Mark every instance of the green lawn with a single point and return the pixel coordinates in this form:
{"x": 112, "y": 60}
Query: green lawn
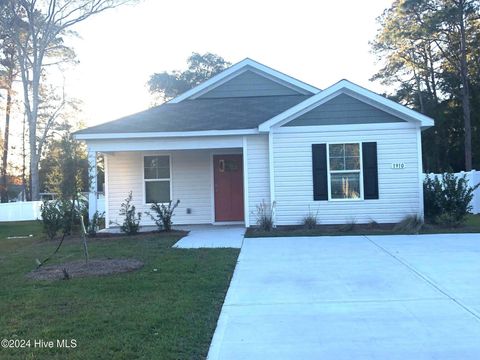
{"x": 170, "y": 313}
{"x": 20, "y": 228}
{"x": 474, "y": 221}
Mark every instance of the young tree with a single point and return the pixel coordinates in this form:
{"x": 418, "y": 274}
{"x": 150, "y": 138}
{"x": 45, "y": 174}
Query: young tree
{"x": 68, "y": 184}
{"x": 38, "y": 28}
{"x": 167, "y": 85}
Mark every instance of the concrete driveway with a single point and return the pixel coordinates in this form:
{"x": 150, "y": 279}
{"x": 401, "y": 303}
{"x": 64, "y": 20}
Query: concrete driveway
{"x": 353, "y": 297}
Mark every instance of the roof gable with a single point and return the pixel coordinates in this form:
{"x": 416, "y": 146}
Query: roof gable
{"x": 358, "y": 92}
{"x": 299, "y": 87}
{"x": 249, "y": 83}
{"x": 343, "y": 109}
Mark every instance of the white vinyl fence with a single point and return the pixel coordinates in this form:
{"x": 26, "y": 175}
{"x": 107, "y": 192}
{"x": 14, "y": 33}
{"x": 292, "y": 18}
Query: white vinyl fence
{"x": 473, "y": 178}
{"x": 20, "y": 211}
{"x": 30, "y": 210}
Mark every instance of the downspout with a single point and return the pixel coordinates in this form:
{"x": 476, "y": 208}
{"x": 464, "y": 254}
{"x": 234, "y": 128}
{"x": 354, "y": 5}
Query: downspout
{"x": 271, "y": 175}
{"x": 420, "y": 172}
{"x": 246, "y": 202}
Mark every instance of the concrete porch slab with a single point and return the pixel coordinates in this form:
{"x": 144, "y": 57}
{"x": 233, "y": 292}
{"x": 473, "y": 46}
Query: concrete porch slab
{"x": 211, "y": 236}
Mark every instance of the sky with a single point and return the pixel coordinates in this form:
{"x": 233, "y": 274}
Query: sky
{"x": 319, "y": 42}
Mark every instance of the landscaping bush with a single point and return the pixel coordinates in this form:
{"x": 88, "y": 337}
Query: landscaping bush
{"x": 349, "y": 226}
{"x": 310, "y": 221}
{"x": 52, "y": 218}
{"x": 447, "y": 200}
{"x": 163, "y": 214}
{"x": 372, "y": 224}
{"x": 264, "y": 214}
{"x": 94, "y": 224}
{"x": 72, "y": 214}
{"x": 410, "y": 224}
{"x": 131, "y": 222}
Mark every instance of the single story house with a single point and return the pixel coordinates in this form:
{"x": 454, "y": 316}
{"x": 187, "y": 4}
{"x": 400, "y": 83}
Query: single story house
{"x": 253, "y": 135}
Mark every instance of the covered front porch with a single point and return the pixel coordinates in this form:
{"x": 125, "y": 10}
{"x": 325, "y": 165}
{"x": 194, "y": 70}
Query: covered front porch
{"x": 208, "y": 175}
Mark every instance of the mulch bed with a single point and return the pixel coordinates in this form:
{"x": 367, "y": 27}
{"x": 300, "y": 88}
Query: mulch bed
{"x": 103, "y": 235}
{"x": 76, "y": 269}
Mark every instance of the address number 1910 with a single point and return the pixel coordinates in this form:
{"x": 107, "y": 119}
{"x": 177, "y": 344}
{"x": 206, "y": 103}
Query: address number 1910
{"x": 398, "y": 165}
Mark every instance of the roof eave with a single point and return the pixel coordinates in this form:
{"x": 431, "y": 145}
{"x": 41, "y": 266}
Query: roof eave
{"x": 169, "y": 134}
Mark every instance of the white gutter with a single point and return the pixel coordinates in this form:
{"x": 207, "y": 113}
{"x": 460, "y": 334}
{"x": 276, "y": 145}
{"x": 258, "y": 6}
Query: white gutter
{"x": 142, "y": 135}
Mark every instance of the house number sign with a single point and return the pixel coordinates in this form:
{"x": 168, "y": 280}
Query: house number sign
{"x": 398, "y": 165}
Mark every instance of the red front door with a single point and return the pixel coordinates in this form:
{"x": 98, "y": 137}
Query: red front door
{"x": 228, "y": 184}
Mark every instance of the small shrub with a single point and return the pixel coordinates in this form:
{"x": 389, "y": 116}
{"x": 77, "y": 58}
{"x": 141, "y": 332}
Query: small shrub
{"x": 310, "y": 221}
{"x": 52, "y": 218}
{"x": 264, "y": 214}
{"x": 447, "y": 201}
{"x": 372, "y": 224}
{"x": 349, "y": 226}
{"x": 131, "y": 222}
{"x": 163, "y": 214}
{"x": 69, "y": 218}
{"x": 432, "y": 198}
{"x": 410, "y": 224}
{"x": 94, "y": 224}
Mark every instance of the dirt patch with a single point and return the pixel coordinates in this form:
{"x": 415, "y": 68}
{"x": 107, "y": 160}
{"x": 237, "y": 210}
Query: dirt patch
{"x": 76, "y": 269}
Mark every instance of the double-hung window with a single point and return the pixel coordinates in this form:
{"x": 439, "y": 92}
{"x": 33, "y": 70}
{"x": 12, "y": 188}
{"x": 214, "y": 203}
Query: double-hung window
{"x": 344, "y": 164}
{"x": 157, "y": 179}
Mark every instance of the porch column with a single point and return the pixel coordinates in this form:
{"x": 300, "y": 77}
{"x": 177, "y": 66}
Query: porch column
{"x": 246, "y": 204}
{"x": 92, "y": 189}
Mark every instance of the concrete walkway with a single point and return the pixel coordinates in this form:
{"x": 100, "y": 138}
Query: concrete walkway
{"x": 211, "y": 236}
{"x": 376, "y": 297}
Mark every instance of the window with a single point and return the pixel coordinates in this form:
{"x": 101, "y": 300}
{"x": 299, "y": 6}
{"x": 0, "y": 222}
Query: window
{"x": 156, "y": 175}
{"x": 344, "y": 164}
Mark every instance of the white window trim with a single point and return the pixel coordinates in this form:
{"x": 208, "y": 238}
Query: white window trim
{"x": 144, "y": 181}
{"x": 361, "y": 198}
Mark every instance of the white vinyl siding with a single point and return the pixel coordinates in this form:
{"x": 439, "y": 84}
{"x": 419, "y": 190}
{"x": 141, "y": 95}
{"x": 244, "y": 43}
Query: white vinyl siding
{"x": 191, "y": 179}
{"x": 399, "y": 193}
{"x": 191, "y": 184}
{"x": 258, "y": 173}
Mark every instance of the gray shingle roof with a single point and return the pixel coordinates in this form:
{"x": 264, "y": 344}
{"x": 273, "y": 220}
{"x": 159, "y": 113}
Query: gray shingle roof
{"x": 201, "y": 114}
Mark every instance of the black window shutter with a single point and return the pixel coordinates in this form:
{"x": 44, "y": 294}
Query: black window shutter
{"x": 319, "y": 163}
{"x": 370, "y": 170}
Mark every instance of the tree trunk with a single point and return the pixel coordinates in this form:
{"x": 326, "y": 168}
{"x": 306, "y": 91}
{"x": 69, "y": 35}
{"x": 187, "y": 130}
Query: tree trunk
{"x": 465, "y": 89}
{"x": 419, "y": 92}
{"x": 25, "y": 196}
{"x": 34, "y": 178}
{"x": 32, "y": 135}
{"x": 4, "y": 177}
{"x": 432, "y": 74}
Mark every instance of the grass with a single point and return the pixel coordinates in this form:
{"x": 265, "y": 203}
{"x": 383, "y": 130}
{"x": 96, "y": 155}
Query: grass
{"x": 170, "y": 313}
{"x": 473, "y": 221}
{"x": 20, "y": 228}
{"x": 471, "y": 226}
